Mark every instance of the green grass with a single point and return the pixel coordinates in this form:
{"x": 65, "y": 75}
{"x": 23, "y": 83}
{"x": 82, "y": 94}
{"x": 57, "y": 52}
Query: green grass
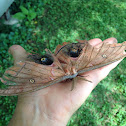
{"x": 66, "y": 20}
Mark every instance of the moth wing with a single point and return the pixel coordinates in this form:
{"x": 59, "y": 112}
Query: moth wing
{"x": 81, "y": 41}
{"x": 29, "y": 76}
{"x": 62, "y": 52}
{"x": 60, "y": 46}
{"x": 93, "y": 58}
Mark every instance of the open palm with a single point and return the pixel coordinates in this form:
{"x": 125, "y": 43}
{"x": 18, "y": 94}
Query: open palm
{"x": 55, "y": 104}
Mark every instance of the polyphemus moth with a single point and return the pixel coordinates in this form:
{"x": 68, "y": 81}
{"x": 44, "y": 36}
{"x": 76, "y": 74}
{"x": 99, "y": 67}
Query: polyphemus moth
{"x": 69, "y": 61}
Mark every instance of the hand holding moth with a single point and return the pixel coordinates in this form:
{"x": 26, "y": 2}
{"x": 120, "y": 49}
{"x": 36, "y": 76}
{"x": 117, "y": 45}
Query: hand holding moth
{"x": 55, "y": 104}
{"x": 33, "y": 72}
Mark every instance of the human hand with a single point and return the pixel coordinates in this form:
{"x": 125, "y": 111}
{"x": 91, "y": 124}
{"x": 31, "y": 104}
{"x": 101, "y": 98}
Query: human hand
{"x": 55, "y": 104}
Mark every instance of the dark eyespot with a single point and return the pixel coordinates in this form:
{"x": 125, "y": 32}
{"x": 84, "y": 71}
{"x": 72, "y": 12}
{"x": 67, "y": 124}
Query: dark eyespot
{"x": 45, "y": 60}
{"x": 72, "y": 49}
{"x": 74, "y": 52}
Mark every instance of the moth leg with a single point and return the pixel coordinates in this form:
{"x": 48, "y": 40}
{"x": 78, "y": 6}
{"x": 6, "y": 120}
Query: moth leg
{"x": 73, "y": 83}
{"x": 82, "y": 77}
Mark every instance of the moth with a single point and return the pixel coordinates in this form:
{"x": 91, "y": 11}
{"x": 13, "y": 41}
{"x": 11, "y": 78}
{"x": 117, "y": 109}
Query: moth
{"x": 69, "y": 61}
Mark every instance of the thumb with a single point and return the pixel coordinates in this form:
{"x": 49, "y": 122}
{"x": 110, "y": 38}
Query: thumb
{"x": 18, "y": 53}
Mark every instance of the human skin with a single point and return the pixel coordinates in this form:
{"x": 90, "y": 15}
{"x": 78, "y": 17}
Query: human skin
{"x": 54, "y": 105}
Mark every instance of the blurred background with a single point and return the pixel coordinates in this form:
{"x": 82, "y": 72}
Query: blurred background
{"x": 45, "y": 24}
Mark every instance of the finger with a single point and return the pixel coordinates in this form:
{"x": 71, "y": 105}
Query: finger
{"x": 104, "y": 71}
{"x": 108, "y": 41}
{"x": 99, "y": 74}
{"x": 18, "y": 53}
{"x": 111, "y": 40}
{"x": 95, "y": 41}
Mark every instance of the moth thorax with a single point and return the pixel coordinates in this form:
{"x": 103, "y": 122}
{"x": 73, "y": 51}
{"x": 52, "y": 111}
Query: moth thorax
{"x": 73, "y": 70}
{"x": 104, "y": 56}
{"x": 32, "y": 81}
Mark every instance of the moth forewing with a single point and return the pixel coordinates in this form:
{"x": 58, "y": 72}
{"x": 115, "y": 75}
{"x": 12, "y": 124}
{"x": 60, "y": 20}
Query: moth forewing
{"x": 28, "y": 76}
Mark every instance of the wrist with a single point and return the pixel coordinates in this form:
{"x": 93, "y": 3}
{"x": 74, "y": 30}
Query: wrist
{"x": 32, "y": 114}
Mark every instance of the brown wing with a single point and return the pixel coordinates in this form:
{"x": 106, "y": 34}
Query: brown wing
{"x": 60, "y": 46}
{"x": 69, "y": 54}
{"x": 63, "y": 53}
{"x": 61, "y": 56}
{"x": 91, "y": 57}
{"x": 30, "y": 76}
